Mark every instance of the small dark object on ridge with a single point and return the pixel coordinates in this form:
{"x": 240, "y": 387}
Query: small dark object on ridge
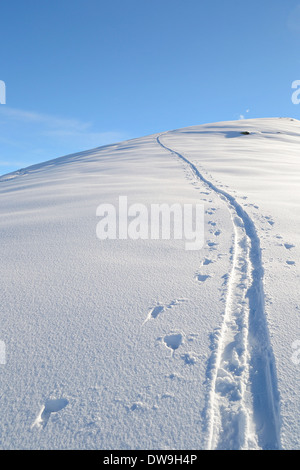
{"x": 245, "y": 133}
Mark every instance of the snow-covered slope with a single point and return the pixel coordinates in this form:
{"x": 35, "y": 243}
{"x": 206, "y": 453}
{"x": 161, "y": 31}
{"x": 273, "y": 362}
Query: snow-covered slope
{"x": 140, "y": 344}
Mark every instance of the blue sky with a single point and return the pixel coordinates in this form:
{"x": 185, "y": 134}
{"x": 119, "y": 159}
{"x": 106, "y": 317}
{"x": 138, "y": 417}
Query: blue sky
{"x": 84, "y": 73}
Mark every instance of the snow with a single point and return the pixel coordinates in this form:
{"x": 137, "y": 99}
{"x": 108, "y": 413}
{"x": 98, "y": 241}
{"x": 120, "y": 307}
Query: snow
{"x": 141, "y": 344}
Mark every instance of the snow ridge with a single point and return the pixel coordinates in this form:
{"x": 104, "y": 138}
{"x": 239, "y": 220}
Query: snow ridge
{"x": 243, "y": 409}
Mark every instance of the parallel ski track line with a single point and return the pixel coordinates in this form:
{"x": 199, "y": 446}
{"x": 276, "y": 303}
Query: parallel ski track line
{"x": 243, "y": 406}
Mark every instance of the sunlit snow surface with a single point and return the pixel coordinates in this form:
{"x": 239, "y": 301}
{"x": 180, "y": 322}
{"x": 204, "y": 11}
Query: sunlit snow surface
{"x": 140, "y": 344}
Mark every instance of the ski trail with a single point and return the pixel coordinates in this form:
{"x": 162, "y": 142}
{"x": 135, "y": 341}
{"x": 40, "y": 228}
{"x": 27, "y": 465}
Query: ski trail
{"x": 243, "y": 405}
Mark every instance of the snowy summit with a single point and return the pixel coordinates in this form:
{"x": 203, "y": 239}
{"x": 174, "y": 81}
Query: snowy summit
{"x": 124, "y": 343}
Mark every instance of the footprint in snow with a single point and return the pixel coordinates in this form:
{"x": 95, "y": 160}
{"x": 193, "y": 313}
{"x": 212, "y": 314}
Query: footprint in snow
{"x": 210, "y": 211}
{"x": 269, "y": 220}
{"x": 173, "y": 341}
{"x": 212, "y": 245}
{"x": 207, "y": 261}
{"x": 154, "y": 312}
{"x": 290, "y": 263}
{"x": 202, "y": 277}
{"x": 288, "y": 246}
{"x": 51, "y": 406}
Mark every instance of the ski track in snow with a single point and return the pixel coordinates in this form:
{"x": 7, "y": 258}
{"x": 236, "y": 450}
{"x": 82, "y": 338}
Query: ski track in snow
{"x": 243, "y": 409}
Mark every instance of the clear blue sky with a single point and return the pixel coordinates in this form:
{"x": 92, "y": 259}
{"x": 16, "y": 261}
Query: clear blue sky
{"x": 83, "y": 73}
